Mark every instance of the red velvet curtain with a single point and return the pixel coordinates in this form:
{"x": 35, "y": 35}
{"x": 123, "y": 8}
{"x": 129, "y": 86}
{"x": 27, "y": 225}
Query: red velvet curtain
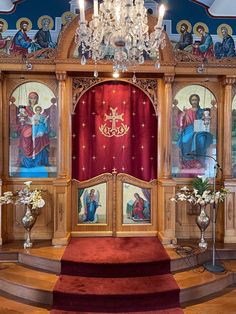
{"x": 114, "y": 126}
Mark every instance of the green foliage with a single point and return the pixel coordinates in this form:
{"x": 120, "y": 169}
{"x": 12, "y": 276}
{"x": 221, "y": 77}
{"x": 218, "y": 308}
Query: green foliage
{"x": 201, "y": 185}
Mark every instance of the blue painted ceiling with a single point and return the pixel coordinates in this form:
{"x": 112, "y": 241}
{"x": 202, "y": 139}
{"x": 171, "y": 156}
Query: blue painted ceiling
{"x": 176, "y": 10}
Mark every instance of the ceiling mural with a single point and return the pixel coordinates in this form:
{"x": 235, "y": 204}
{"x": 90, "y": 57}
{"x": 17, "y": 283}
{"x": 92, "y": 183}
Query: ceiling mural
{"x": 8, "y": 5}
{"x": 219, "y": 8}
{"x": 30, "y": 27}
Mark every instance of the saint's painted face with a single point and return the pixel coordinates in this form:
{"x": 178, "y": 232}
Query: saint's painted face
{"x": 45, "y": 24}
{"x": 194, "y": 101}
{"x": 183, "y": 29}
{"x": 68, "y": 19}
{"x": 224, "y": 31}
{"x": 136, "y": 195}
{"x": 25, "y": 26}
{"x": 33, "y": 99}
{"x": 201, "y": 30}
{"x": 92, "y": 191}
{"x": 1, "y": 27}
{"x": 38, "y": 110}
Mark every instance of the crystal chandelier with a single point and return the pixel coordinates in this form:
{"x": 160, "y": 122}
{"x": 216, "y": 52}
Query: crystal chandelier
{"x": 119, "y": 32}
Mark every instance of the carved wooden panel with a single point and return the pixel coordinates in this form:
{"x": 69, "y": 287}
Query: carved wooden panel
{"x": 12, "y": 215}
{"x": 81, "y": 85}
{"x": 136, "y": 210}
{"x": 88, "y": 217}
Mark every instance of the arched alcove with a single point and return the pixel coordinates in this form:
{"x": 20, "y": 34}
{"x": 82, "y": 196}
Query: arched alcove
{"x": 194, "y": 132}
{"x": 132, "y": 118}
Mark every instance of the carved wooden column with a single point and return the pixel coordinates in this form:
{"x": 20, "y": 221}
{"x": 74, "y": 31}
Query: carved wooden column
{"x": 1, "y": 150}
{"x": 63, "y": 124}
{"x": 230, "y": 213}
{"x": 62, "y": 212}
{"x": 166, "y": 211}
{"x": 166, "y": 126}
{"x": 166, "y": 186}
{"x": 62, "y": 185}
{"x": 229, "y": 204}
{"x": 227, "y": 134}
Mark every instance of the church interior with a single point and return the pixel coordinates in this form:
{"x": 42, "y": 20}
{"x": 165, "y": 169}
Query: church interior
{"x": 117, "y": 156}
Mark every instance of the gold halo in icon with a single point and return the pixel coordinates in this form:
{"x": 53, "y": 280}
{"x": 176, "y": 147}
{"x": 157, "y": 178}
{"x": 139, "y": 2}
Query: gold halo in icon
{"x": 67, "y": 16}
{"x": 227, "y": 26}
{"x": 36, "y": 107}
{"x": 51, "y": 23}
{"x": 200, "y": 24}
{"x": 5, "y": 25}
{"x": 184, "y": 22}
{"x": 24, "y": 19}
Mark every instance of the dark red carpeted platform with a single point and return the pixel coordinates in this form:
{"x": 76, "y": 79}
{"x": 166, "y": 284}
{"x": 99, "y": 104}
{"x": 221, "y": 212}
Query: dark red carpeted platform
{"x": 116, "y": 275}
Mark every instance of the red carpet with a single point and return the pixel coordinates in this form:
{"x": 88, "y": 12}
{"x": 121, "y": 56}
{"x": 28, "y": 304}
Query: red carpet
{"x": 116, "y": 275}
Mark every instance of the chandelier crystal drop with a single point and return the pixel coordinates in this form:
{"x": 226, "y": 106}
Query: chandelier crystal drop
{"x": 119, "y": 32}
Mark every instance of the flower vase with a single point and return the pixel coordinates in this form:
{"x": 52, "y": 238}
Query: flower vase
{"x": 28, "y": 222}
{"x": 202, "y": 221}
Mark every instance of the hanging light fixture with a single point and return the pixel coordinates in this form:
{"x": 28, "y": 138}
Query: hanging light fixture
{"x": 119, "y": 32}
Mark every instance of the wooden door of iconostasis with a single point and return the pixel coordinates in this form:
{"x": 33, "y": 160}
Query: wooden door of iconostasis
{"x": 114, "y": 162}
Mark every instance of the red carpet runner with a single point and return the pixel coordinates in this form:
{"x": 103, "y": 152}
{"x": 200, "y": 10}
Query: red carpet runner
{"x": 116, "y": 275}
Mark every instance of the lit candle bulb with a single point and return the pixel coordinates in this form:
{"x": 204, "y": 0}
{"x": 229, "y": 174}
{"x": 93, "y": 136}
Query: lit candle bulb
{"x": 161, "y": 15}
{"x": 95, "y": 7}
{"x": 81, "y": 11}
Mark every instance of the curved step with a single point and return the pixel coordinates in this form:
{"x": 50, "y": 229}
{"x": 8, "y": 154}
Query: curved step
{"x": 37, "y": 286}
{"x": 10, "y": 306}
{"x": 162, "y": 311}
{"x": 41, "y": 256}
{"x": 41, "y": 263}
{"x": 218, "y": 303}
{"x": 111, "y": 294}
{"x": 195, "y": 256}
{"x": 27, "y": 283}
{"x": 198, "y": 282}
{"x": 124, "y": 257}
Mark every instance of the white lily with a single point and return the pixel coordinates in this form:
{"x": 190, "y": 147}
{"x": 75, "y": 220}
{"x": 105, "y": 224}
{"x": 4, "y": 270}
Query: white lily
{"x": 28, "y": 183}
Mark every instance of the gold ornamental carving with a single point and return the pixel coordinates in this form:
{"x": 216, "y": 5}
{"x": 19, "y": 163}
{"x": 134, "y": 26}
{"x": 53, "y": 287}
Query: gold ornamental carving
{"x": 229, "y": 80}
{"x": 114, "y": 130}
{"x": 168, "y": 78}
{"x": 81, "y": 85}
{"x": 61, "y": 76}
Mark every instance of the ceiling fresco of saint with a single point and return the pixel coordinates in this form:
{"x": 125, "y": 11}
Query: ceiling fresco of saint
{"x": 194, "y": 27}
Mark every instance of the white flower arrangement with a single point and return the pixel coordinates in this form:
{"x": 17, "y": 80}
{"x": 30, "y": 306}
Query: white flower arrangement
{"x": 24, "y": 196}
{"x": 200, "y": 194}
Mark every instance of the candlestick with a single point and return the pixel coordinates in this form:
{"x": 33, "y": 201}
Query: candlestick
{"x": 161, "y": 15}
{"x": 95, "y": 7}
{"x": 81, "y": 11}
